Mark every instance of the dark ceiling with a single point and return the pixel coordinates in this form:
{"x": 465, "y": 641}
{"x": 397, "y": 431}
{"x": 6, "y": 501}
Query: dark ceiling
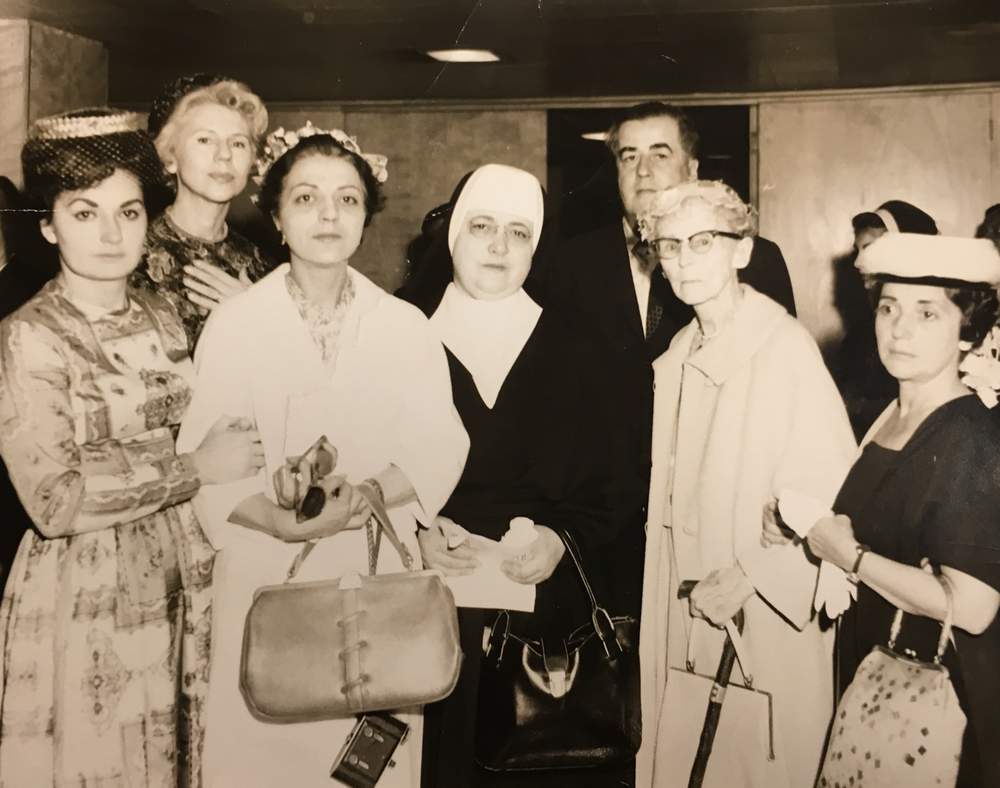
{"x": 369, "y": 50}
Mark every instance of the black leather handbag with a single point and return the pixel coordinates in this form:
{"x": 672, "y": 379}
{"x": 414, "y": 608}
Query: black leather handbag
{"x": 568, "y": 704}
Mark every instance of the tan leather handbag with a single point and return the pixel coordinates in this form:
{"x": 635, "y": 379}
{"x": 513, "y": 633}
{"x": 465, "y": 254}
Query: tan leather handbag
{"x": 336, "y": 648}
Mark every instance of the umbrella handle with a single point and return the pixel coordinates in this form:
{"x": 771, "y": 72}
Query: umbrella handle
{"x": 684, "y": 592}
{"x": 714, "y": 711}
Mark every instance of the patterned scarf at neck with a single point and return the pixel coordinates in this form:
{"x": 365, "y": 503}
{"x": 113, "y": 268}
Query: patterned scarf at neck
{"x": 324, "y": 322}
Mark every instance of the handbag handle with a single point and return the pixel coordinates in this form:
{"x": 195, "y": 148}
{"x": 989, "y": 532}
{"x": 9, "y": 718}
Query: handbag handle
{"x": 603, "y": 625}
{"x": 949, "y": 596}
{"x": 734, "y": 630}
{"x": 384, "y": 524}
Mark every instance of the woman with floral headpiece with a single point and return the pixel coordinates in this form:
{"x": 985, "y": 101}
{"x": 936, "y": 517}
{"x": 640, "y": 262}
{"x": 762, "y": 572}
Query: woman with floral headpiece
{"x": 104, "y": 626}
{"x": 744, "y": 409}
{"x": 316, "y": 349}
{"x": 207, "y": 129}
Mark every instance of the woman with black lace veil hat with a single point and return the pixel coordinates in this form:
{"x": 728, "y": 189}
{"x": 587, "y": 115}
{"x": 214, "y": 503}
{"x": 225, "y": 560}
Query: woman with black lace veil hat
{"x": 927, "y": 484}
{"x": 207, "y": 129}
{"x": 104, "y": 625}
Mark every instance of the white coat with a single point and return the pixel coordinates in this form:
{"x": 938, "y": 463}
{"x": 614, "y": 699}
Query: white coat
{"x": 752, "y": 412}
{"x": 386, "y": 400}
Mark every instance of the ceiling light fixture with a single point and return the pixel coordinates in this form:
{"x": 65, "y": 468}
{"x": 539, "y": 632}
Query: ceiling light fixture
{"x": 464, "y": 55}
{"x": 596, "y": 136}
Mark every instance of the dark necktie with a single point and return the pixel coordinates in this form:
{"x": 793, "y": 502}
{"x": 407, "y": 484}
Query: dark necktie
{"x": 654, "y": 303}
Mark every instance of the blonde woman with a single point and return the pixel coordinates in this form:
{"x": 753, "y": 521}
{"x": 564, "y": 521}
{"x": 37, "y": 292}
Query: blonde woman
{"x": 207, "y": 129}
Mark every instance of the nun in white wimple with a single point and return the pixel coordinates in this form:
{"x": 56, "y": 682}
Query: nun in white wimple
{"x": 525, "y": 386}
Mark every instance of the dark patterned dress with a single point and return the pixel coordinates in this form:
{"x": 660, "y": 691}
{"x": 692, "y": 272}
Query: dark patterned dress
{"x": 938, "y": 498}
{"x": 105, "y": 620}
{"x": 169, "y": 249}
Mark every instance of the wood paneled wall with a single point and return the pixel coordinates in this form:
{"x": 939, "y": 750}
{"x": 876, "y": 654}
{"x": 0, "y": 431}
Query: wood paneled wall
{"x": 14, "y": 44}
{"x": 66, "y": 72}
{"x": 43, "y": 71}
{"x": 429, "y": 151}
{"x": 823, "y": 161}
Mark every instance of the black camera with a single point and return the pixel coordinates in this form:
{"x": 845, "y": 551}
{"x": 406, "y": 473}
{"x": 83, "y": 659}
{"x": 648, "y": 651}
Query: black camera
{"x": 368, "y": 750}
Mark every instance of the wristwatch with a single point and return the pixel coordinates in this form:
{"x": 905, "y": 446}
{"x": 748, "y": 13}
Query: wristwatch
{"x": 862, "y": 550}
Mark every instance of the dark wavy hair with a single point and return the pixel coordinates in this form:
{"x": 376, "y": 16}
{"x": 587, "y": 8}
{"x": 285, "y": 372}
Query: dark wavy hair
{"x": 319, "y": 145}
{"x": 657, "y": 109}
{"x": 980, "y": 308}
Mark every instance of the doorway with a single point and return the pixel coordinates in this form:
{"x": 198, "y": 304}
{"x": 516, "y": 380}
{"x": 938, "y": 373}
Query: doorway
{"x": 582, "y": 182}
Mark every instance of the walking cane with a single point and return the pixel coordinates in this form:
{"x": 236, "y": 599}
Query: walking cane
{"x": 715, "y": 698}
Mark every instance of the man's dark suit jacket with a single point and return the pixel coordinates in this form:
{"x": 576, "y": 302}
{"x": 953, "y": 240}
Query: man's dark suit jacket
{"x": 17, "y": 285}
{"x": 590, "y": 277}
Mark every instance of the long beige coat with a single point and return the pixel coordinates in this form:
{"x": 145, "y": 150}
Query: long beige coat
{"x": 753, "y": 412}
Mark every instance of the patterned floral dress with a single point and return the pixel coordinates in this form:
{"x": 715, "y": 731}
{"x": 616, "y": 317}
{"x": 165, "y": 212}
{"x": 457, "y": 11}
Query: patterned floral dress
{"x": 169, "y": 249}
{"x": 105, "y": 621}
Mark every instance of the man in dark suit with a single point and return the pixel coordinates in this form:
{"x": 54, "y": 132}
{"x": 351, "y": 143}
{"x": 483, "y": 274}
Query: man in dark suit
{"x": 607, "y": 279}
{"x": 20, "y": 279}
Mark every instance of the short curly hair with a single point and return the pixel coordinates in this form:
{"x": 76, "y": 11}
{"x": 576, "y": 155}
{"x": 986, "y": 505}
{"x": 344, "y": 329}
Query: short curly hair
{"x": 227, "y": 93}
{"x": 269, "y": 197}
{"x": 737, "y": 215}
{"x": 980, "y": 307}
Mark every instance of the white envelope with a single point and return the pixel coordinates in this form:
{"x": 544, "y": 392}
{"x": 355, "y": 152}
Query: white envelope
{"x": 487, "y": 586}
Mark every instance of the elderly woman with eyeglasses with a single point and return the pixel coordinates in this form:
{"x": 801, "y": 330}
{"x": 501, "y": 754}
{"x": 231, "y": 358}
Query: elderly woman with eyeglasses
{"x": 744, "y": 408}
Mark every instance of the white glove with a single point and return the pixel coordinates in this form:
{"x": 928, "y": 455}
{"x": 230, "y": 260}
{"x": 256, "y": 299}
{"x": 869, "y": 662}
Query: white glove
{"x": 833, "y": 590}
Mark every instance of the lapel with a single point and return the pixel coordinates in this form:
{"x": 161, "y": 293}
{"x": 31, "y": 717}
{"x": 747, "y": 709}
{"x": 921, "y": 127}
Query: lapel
{"x": 676, "y": 315}
{"x": 629, "y": 309}
{"x": 621, "y": 286}
{"x": 757, "y": 317}
{"x": 294, "y": 363}
{"x": 608, "y": 290}
{"x": 668, "y": 373}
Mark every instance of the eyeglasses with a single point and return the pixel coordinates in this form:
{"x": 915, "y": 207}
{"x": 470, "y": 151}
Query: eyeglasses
{"x": 516, "y": 233}
{"x": 700, "y": 243}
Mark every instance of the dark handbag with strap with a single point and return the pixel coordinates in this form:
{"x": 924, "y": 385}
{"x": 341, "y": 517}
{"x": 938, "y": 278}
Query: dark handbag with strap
{"x": 572, "y": 703}
{"x": 335, "y": 648}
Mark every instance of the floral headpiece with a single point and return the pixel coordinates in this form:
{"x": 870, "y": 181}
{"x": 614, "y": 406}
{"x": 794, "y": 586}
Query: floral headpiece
{"x": 980, "y": 369}
{"x": 279, "y": 142}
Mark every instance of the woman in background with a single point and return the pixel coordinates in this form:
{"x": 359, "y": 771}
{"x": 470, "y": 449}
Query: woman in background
{"x": 104, "y": 627}
{"x": 314, "y": 349}
{"x": 207, "y": 129}
{"x": 863, "y": 381}
{"x": 989, "y": 227}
